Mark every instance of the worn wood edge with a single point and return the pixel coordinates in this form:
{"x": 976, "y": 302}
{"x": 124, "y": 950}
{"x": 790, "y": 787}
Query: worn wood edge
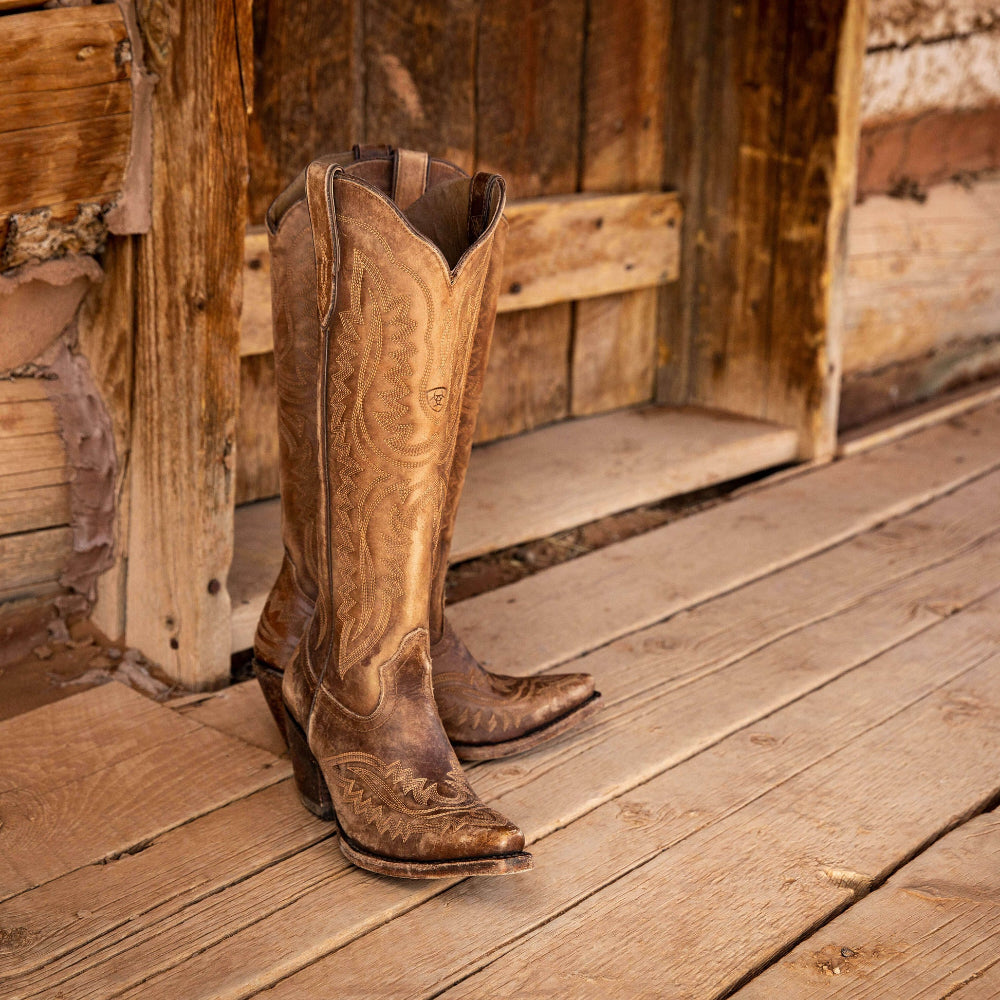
{"x": 916, "y": 418}
{"x": 763, "y": 446}
{"x": 540, "y": 281}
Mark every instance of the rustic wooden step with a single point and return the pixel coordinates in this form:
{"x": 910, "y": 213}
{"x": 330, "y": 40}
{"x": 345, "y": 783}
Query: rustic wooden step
{"x": 547, "y": 481}
{"x": 934, "y": 926}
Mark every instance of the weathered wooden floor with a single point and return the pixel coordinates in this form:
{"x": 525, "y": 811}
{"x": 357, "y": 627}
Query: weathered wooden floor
{"x": 789, "y": 793}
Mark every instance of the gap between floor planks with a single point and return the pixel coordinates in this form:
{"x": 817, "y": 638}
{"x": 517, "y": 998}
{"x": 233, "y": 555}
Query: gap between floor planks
{"x": 931, "y": 929}
{"x": 541, "y": 779}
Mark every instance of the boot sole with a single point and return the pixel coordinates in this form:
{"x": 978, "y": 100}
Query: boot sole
{"x": 510, "y": 748}
{"x": 270, "y": 679}
{"x": 316, "y": 798}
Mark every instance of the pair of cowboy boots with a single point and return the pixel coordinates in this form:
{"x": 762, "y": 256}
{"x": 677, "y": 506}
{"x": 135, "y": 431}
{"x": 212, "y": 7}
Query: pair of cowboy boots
{"x": 385, "y": 273}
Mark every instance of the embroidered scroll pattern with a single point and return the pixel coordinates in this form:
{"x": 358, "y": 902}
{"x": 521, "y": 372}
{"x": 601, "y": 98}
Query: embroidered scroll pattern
{"x": 389, "y": 447}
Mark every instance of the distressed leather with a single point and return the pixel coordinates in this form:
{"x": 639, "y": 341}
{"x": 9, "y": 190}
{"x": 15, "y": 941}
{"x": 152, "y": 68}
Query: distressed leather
{"x": 396, "y": 322}
{"x": 478, "y": 708}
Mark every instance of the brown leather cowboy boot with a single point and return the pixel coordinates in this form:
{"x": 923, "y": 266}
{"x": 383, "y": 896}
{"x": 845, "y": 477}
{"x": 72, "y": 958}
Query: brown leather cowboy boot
{"x": 485, "y": 715}
{"x": 397, "y": 311}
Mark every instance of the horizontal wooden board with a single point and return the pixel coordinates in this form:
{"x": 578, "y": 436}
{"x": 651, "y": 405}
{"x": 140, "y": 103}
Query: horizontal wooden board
{"x": 657, "y": 715}
{"x": 903, "y": 22}
{"x": 921, "y": 275}
{"x": 948, "y": 76}
{"x": 583, "y": 245}
{"x": 66, "y": 120}
{"x": 559, "y": 248}
{"x": 906, "y": 156}
{"x": 552, "y": 479}
{"x": 144, "y": 765}
{"x": 932, "y": 927}
{"x": 33, "y": 560}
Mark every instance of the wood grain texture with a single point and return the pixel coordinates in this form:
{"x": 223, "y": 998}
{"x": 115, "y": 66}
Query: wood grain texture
{"x": 797, "y": 853}
{"x": 66, "y": 121}
{"x": 951, "y": 75}
{"x": 582, "y": 246}
{"x": 34, "y": 477}
{"x": 912, "y": 154}
{"x": 187, "y": 349}
{"x": 921, "y": 275}
{"x": 744, "y": 662}
{"x": 568, "y": 475}
{"x": 932, "y": 927}
{"x": 753, "y": 326}
{"x": 54, "y": 827}
{"x": 105, "y": 333}
{"x": 615, "y": 337}
{"x": 420, "y": 73}
{"x": 256, "y": 431}
{"x": 616, "y": 590}
{"x": 33, "y": 561}
{"x": 307, "y": 88}
{"x": 903, "y": 22}
{"x": 256, "y": 333}
{"x": 527, "y": 381}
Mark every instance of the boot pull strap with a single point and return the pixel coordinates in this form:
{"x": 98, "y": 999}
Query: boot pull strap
{"x": 410, "y": 173}
{"x": 326, "y": 246}
{"x": 486, "y": 197}
{"x": 372, "y": 151}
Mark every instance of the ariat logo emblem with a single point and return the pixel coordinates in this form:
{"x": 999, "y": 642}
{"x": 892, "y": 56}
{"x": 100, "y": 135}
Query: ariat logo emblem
{"x": 436, "y": 398}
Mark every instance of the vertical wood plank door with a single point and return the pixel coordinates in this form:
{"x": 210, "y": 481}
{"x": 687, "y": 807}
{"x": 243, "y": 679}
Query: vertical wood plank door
{"x": 187, "y": 345}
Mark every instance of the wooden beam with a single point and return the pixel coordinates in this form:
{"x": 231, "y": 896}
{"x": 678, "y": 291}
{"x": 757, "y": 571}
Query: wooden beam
{"x": 560, "y": 248}
{"x": 761, "y": 144}
{"x": 65, "y": 123}
{"x": 187, "y": 347}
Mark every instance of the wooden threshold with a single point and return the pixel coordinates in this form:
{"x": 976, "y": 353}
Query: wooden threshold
{"x": 548, "y": 481}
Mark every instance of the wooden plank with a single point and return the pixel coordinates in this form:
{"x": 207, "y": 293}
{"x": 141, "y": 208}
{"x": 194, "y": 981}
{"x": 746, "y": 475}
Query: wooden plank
{"x": 700, "y": 717}
{"x": 867, "y": 396}
{"x": 256, "y": 334}
{"x": 239, "y": 711}
{"x": 798, "y": 854}
{"x": 118, "y": 902}
{"x": 105, "y": 335}
{"x": 420, "y": 73}
{"x": 62, "y": 49}
{"x": 33, "y": 560}
{"x": 916, "y": 418}
{"x": 559, "y": 248}
{"x": 626, "y": 586}
{"x": 614, "y": 337}
{"x": 755, "y": 328}
{"x": 67, "y": 122}
{"x": 527, "y": 381}
{"x": 646, "y": 671}
{"x": 581, "y": 470}
{"x": 921, "y": 274}
{"x": 581, "y": 246}
{"x": 910, "y": 155}
{"x": 307, "y": 87}
{"x": 257, "y": 430}
{"x": 693, "y": 560}
{"x": 613, "y": 462}
{"x": 950, "y": 75}
{"x": 187, "y": 350}
{"x": 903, "y": 22}
{"x": 116, "y": 793}
{"x": 932, "y": 927}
